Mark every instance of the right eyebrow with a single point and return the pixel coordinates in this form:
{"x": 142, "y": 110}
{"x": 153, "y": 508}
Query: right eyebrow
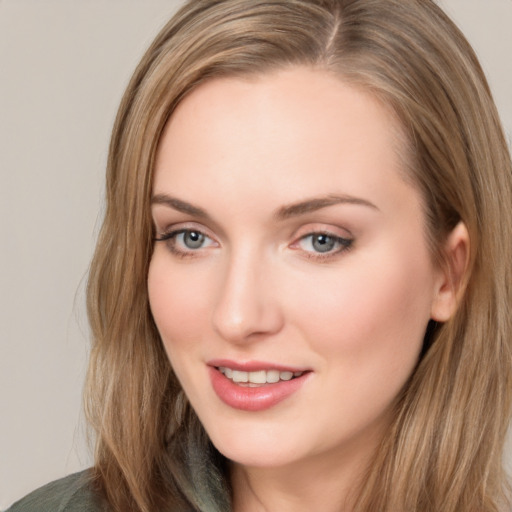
{"x": 179, "y": 205}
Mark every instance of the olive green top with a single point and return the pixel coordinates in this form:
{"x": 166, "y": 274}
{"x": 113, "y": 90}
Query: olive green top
{"x": 73, "y": 493}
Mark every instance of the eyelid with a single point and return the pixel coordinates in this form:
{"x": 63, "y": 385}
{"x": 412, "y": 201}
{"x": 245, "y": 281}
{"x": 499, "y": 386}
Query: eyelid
{"x": 165, "y": 218}
{"x": 345, "y": 241}
{"x": 170, "y": 234}
{"x": 322, "y": 232}
{"x": 323, "y": 228}
{"x": 173, "y": 228}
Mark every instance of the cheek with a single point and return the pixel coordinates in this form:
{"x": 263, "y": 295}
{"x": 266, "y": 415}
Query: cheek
{"x": 177, "y": 300}
{"x": 371, "y": 316}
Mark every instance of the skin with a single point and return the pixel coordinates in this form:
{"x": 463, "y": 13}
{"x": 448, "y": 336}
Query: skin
{"x": 241, "y": 150}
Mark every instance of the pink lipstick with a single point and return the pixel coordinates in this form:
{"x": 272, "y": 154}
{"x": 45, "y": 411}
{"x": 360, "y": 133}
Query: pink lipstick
{"x": 254, "y": 386}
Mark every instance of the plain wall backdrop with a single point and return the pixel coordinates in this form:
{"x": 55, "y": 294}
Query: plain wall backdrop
{"x": 63, "y": 68}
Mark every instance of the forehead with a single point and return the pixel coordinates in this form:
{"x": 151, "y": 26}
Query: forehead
{"x": 300, "y": 131}
{"x": 292, "y": 94}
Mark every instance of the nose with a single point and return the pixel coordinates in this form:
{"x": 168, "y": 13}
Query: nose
{"x": 247, "y": 306}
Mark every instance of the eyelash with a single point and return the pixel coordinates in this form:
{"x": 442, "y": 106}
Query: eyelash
{"x": 343, "y": 244}
{"x": 171, "y": 236}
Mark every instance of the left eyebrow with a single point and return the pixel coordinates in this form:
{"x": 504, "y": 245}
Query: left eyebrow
{"x": 314, "y": 204}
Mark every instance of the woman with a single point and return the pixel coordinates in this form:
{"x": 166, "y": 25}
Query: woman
{"x": 300, "y": 292}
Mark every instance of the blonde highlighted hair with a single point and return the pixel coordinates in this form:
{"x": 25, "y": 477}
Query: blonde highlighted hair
{"x": 444, "y": 450}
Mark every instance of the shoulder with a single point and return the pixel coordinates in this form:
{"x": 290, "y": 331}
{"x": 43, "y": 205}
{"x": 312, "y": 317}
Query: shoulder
{"x": 74, "y": 493}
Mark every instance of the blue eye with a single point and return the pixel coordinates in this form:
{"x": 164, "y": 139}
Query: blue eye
{"x": 191, "y": 239}
{"x": 324, "y": 243}
{"x": 185, "y": 241}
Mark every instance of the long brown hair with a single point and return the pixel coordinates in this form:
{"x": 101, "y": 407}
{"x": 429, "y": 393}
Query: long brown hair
{"x": 444, "y": 450}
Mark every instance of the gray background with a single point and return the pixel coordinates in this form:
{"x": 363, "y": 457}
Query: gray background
{"x": 63, "y": 67}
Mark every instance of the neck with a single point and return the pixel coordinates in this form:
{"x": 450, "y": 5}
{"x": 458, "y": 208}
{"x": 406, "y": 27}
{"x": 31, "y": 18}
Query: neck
{"x": 322, "y": 483}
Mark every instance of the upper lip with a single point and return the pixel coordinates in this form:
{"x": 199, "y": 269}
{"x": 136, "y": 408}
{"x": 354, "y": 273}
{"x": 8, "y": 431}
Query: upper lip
{"x": 254, "y": 366}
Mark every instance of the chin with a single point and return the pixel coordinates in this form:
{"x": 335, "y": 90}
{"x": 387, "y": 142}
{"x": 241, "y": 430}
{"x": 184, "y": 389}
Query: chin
{"x": 255, "y": 456}
{"x": 255, "y": 447}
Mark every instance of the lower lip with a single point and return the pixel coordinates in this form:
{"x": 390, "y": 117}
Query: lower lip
{"x": 253, "y": 398}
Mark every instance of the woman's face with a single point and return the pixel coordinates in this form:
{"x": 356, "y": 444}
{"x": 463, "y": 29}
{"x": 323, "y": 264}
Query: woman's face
{"x": 292, "y": 284}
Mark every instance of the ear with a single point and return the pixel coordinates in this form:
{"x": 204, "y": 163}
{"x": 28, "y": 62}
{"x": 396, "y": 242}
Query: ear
{"x": 449, "y": 285}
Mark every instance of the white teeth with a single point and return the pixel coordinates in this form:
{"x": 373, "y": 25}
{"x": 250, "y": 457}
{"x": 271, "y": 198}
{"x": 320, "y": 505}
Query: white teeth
{"x": 258, "y": 377}
{"x": 240, "y": 376}
{"x": 272, "y": 376}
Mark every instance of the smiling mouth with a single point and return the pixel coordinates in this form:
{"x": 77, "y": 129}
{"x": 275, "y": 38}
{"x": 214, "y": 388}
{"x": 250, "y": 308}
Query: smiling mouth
{"x": 257, "y": 378}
